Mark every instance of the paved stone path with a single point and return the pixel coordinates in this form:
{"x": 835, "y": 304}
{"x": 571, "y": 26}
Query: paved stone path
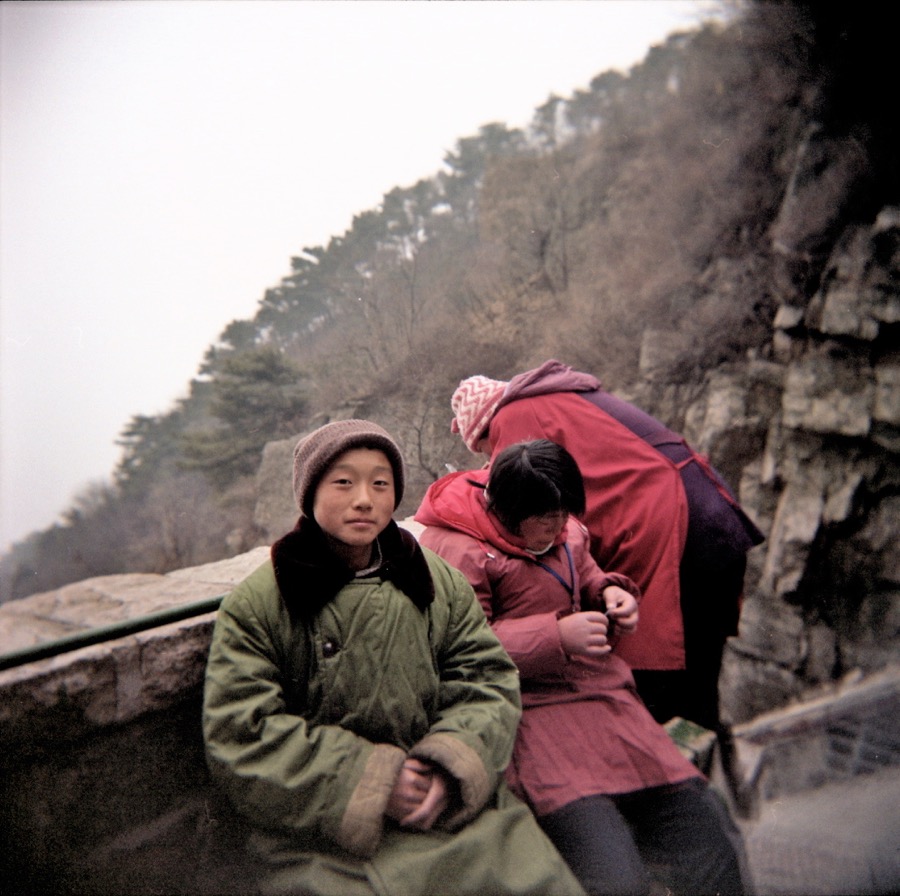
{"x": 842, "y": 839}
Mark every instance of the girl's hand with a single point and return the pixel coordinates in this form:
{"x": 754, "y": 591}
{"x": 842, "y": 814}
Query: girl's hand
{"x": 584, "y": 634}
{"x": 621, "y": 608}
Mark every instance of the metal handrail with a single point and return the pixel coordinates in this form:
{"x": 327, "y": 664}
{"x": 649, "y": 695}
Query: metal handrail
{"x": 110, "y": 632}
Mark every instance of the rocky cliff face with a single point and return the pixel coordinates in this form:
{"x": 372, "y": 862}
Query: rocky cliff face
{"x": 809, "y": 434}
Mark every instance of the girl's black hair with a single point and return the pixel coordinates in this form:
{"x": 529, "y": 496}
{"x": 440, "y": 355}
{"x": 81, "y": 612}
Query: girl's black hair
{"x": 531, "y": 479}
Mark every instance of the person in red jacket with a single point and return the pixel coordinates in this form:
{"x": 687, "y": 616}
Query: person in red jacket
{"x": 656, "y": 512}
{"x": 604, "y": 779}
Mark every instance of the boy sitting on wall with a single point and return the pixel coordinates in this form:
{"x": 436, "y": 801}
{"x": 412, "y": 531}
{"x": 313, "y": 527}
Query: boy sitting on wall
{"x": 358, "y": 709}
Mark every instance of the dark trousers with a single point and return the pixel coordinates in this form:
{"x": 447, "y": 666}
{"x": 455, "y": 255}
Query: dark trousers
{"x": 710, "y": 592}
{"x": 680, "y": 836}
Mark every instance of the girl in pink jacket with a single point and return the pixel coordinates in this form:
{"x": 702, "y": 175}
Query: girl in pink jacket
{"x": 604, "y": 779}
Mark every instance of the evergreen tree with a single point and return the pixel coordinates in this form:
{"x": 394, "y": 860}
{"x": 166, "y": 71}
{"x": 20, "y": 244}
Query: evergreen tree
{"x": 256, "y": 397}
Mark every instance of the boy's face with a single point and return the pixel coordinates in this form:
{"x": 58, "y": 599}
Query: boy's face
{"x": 354, "y": 501}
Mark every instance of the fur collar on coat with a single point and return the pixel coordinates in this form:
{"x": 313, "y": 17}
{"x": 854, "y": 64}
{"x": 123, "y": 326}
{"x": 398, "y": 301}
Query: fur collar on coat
{"x": 309, "y": 574}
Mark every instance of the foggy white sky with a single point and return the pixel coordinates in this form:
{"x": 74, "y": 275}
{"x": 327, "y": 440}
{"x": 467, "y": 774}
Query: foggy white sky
{"x": 162, "y": 161}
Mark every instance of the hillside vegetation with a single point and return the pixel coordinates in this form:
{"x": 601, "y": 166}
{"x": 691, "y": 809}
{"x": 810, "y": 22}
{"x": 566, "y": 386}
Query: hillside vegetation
{"x": 645, "y": 202}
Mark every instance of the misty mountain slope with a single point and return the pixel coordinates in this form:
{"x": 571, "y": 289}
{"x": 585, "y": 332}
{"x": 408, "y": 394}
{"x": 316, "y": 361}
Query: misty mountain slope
{"x": 658, "y": 218}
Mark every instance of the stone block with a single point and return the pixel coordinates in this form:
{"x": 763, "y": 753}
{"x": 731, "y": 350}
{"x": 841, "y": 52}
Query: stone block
{"x": 827, "y": 396}
{"x": 773, "y": 630}
{"x": 783, "y": 346}
{"x": 276, "y": 512}
{"x": 886, "y": 407}
{"x": 106, "y": 600}
{"x": 846, "y": 312}
{"x": 796, "y": 522}
{"x": 788, "y": 317}
{"x": 750, "y": 684}
{"x": 821, "y": 654}
{"x": 841, "y": 495}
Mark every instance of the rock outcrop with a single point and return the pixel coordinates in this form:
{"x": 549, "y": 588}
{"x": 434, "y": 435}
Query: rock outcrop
{"x": 810, "y": 437}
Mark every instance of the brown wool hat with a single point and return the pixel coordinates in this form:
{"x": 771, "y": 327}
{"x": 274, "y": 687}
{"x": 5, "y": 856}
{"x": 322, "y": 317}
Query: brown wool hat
{"x": 314, "y": 453}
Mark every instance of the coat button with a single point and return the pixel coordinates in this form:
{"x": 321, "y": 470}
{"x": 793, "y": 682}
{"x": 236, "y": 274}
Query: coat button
{"x": 329, "y": 649}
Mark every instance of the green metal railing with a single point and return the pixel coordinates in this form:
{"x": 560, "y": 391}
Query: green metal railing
{"x": 109, "y": 632}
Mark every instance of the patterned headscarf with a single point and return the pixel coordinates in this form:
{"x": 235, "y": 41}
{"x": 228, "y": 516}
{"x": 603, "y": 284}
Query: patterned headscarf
{"x": 474, "y": 403}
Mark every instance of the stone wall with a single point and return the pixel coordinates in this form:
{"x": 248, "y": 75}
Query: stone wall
{"x": 103, "y": 784}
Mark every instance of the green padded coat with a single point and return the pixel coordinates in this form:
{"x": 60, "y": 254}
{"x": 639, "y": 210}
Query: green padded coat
{"x": 319, "y": 685}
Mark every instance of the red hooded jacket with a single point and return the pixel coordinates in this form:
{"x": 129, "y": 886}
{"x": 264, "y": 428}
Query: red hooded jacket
{"x": 584, "y": 729}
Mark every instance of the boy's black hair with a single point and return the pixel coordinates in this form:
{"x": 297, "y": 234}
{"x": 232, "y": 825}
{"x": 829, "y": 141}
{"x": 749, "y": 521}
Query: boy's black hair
{"x": 531, "y": 479}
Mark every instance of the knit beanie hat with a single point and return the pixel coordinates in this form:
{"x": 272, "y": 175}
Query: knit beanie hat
{"x": 315, "y": 453}
{"x": 473, "y": 404}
